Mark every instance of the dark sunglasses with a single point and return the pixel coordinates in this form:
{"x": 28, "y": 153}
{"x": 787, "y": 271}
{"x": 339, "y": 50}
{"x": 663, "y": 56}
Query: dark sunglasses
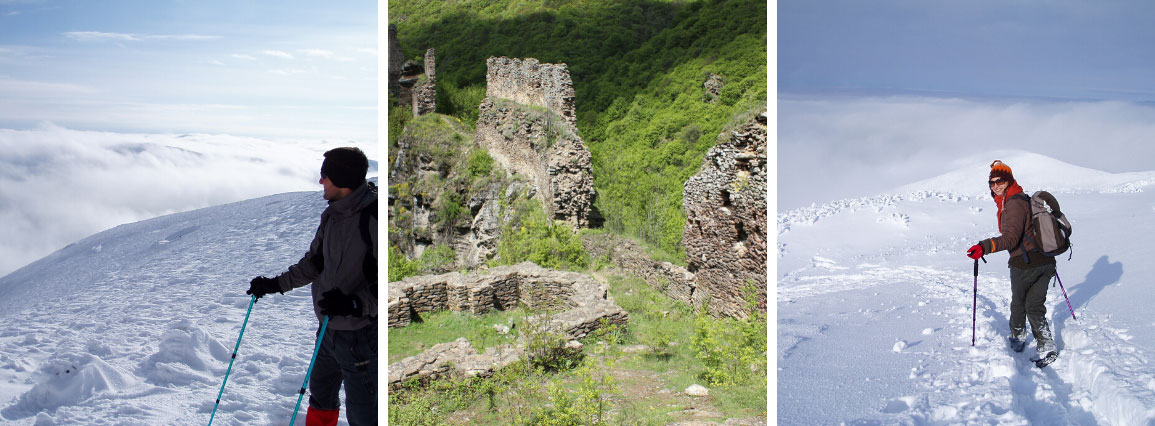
{"x": 995, "y": 182}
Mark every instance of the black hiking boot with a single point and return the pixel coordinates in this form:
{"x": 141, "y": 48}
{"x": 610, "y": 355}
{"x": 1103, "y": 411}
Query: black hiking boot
{"x": 1017, "y": 344}
{"x": 1046, "y": 359}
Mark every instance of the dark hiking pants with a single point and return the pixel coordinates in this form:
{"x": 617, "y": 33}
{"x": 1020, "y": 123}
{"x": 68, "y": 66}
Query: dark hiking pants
{"x": 349, "y": 357}
{"x": 1029, "y": 302}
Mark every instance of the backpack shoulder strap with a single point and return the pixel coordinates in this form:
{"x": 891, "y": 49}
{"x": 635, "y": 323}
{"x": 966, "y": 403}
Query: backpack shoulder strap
{"x": 369, "y": 265}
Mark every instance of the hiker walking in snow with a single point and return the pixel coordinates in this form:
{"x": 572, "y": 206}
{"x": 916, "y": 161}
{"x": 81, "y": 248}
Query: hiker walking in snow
{"x": 1030, "y": 270}
{"x": 344, "y": 288}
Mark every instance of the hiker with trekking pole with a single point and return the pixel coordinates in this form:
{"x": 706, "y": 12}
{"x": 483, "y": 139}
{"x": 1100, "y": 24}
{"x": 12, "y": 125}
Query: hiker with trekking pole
{"x": 1031, "y": 261}
{"x": 342, "y": 266}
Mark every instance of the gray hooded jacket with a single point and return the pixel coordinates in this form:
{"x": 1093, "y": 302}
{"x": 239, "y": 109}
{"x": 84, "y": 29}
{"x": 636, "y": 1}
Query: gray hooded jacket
{"x": 336, "y": 257}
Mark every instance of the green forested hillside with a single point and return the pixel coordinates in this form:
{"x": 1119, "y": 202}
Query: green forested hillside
{"x": 638, "y": 69}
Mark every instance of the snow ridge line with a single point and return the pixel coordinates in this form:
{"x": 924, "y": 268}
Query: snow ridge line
{"x": 812, "y": 214}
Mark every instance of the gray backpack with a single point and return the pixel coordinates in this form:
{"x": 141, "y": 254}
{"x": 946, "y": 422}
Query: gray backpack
{"x": 1049, "y": 228}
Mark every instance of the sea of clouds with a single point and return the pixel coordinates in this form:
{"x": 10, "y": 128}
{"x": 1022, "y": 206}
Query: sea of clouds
{"x": 59, "y": 185}
{"x": 832, "y": 147}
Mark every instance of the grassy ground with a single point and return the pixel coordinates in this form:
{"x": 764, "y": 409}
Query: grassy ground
{"x": 447, "y": 326}
{"x": 634, "y": 376}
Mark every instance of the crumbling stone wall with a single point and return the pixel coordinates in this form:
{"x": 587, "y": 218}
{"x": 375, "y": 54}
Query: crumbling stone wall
{"x": 425, "y": 92}
{"x": 725, "y": 232}
{"x": 673, "y": 280}
{"x": 499, "y": 288}
{"x": 530, "y": 82}
{"x": 586, "y": 302}
{"x": 528, "y": 124}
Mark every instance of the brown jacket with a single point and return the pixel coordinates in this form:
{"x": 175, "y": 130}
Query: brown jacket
{"x": 1015, "y": 220}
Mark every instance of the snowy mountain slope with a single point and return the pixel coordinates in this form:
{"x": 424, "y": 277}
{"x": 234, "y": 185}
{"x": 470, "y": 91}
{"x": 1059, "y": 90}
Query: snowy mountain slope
{"x": 875, "y": 303}
{"x": 135, "y": 325}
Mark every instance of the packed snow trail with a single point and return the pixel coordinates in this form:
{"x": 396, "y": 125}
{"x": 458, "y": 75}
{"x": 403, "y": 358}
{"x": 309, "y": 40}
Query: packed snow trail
{"x": 875, "y": 309}
{"x": 135, "y": 325}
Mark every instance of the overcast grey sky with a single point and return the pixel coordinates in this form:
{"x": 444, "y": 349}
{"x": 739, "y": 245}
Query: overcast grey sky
{"x": 873, "y": 95}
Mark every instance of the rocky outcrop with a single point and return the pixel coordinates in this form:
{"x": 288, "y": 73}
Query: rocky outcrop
{"x": 585, "y": 306}
{"x": 527, "y": 123}
{"x": 725, "y": 232}
{"x": 713, "y": 86}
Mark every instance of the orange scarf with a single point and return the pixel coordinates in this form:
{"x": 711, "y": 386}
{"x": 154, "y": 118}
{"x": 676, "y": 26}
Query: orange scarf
{"x": 1000, "y": 199}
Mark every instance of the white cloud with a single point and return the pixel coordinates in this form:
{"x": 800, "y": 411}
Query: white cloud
{"x": 184, "y": 37}
{"x": 288, "y": 71}
{"x": 832, "y": 147}
{"x": 59, "y": 185}
{"x": 97, "y": 36}
{"x": 10, "y": 88}
{"x": 321, "y": 53}
{"x": 277, "y": 53}
{"x": 245, "y": 57}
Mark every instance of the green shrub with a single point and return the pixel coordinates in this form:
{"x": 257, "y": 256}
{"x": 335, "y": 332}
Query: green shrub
{"x": 479, "y": 164}
{"x": 399, "y": 266}
{"x": 450, "y": 208}
{"x": 532, "y": 236}
{"x": 587, "y": 405}
{"x": 545, "y": 349}
{"x": 732, "y": 350}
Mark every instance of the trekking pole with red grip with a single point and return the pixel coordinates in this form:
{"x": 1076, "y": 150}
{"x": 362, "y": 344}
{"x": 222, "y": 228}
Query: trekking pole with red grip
{"x": 975, "y": 307}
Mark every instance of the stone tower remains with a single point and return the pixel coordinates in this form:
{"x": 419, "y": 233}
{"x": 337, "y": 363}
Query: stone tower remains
{"x": 425, "y": 93}
{"x": 529, "y": 126}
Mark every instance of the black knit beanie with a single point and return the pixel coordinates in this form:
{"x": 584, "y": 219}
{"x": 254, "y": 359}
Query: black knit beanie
{"x": 345, "y": 167}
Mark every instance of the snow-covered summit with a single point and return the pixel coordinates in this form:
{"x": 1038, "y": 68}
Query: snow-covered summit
{"x": 1034, "y": 172}
{"x": 137, "y": 323}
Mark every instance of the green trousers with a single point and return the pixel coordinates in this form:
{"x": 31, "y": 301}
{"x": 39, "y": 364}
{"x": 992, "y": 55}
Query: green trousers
{"x": 1029, "y": 302}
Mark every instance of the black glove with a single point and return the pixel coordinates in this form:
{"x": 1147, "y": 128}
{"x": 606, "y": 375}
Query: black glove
{"x": 261, "y": 286}
{"x": 334, "y": 302}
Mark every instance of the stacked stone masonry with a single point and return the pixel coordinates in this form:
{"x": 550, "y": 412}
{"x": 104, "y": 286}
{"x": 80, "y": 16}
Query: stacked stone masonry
{"x": 528, "y": 125}
{"x": 425, "y": 93}
{"x": 725, "y": 235}
{"x": 530, "y": 82}
{"x": 585, "y": 303}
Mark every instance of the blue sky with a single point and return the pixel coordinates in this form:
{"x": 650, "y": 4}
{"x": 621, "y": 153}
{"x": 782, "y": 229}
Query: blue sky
{"x": 118, "y": 111}
{"x": 264, "y": 69}
{"x": 1063, "y": 49}
{"x": 873, "y": 95}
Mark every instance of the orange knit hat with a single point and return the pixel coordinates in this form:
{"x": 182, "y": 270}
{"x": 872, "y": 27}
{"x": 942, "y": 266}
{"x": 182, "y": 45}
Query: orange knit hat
{"x": 1000, "y": 170}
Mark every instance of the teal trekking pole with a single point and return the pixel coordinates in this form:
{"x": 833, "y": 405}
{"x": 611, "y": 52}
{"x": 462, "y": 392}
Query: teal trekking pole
{"x": 320, "y": 336}
{"x": 234, "y": 358}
